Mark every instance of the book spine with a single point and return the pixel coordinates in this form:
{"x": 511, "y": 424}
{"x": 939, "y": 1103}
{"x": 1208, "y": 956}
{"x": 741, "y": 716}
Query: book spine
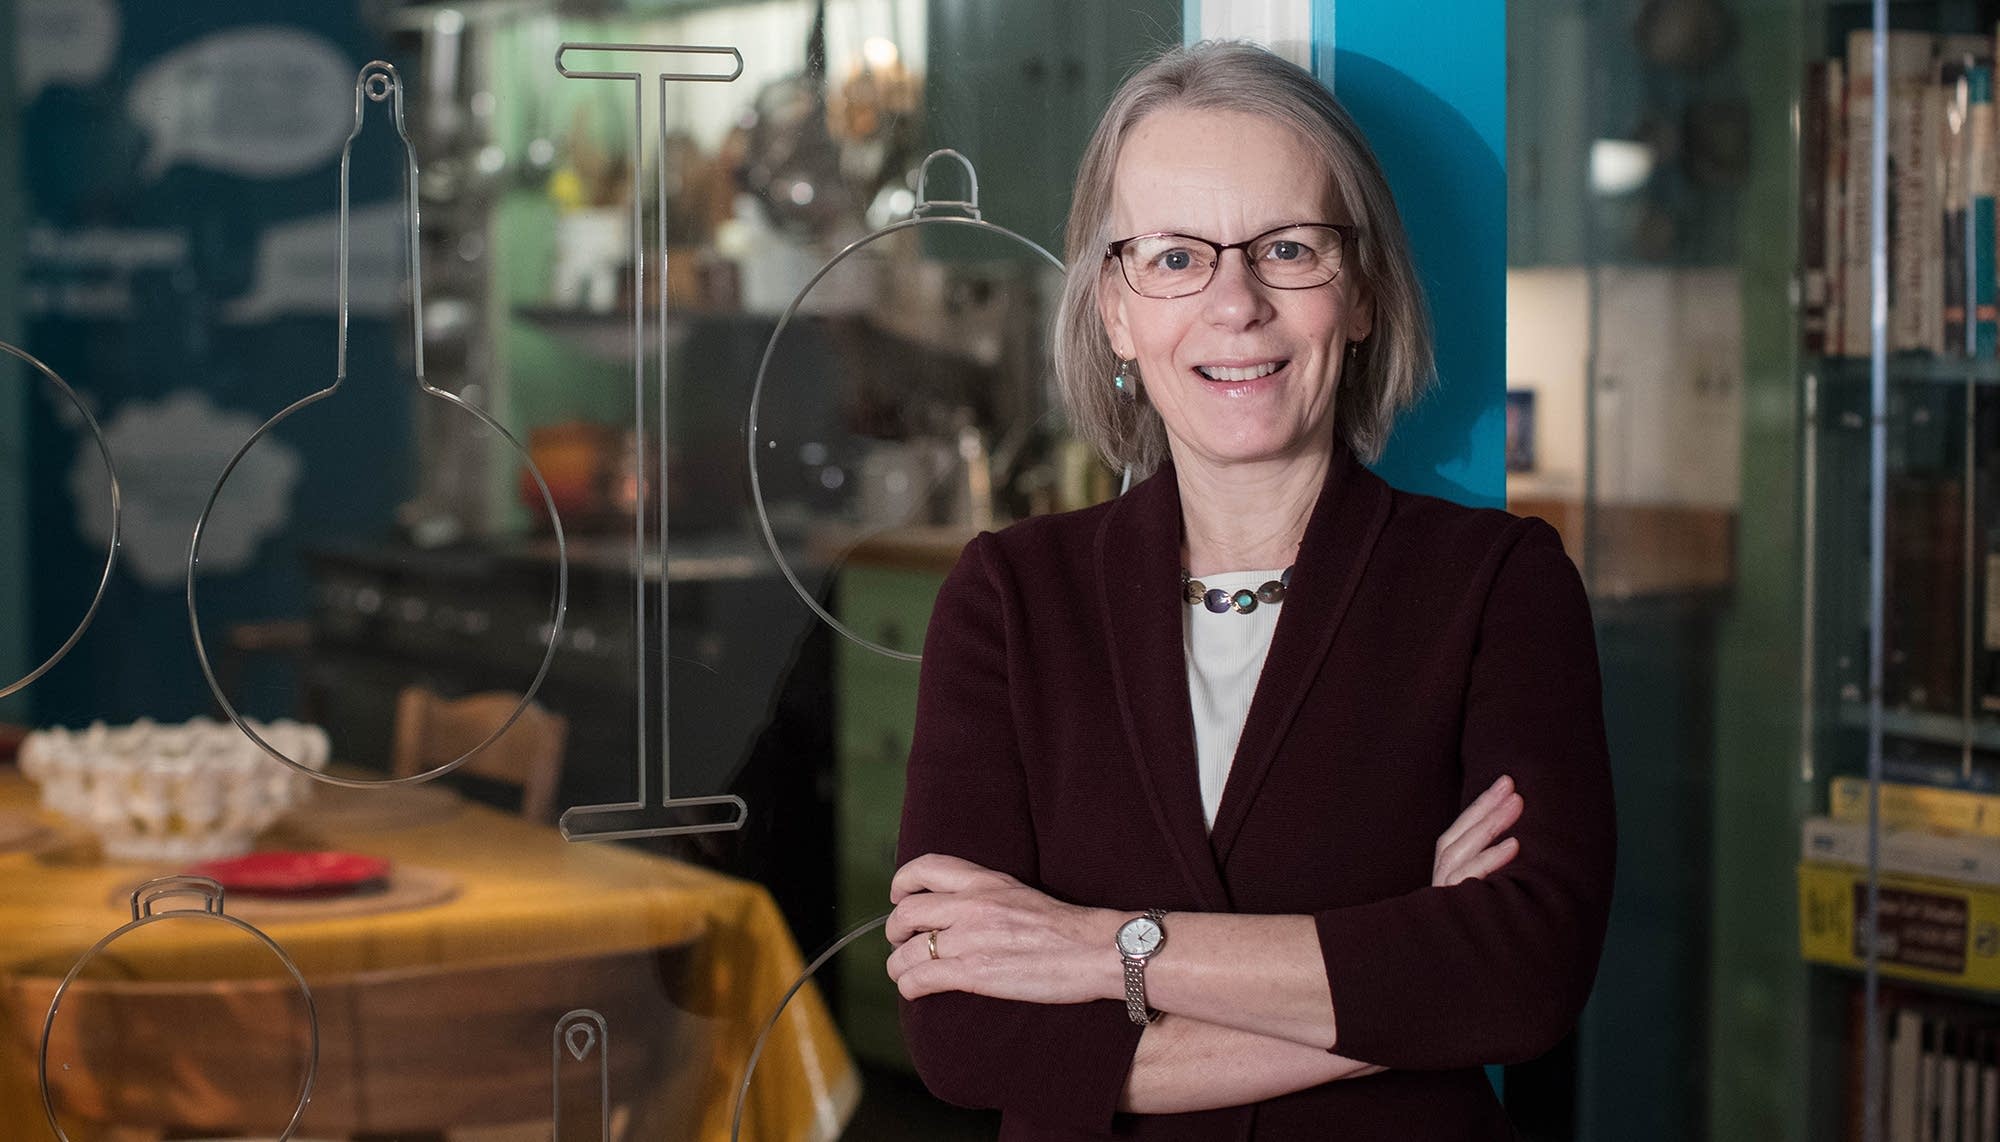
{"x": 1989, "y": 1090}
{"x": 1952, "y": 145}
{"x": 1856, "y": 296}
{"x": 1980, "y": 188}
{"x": 1935, "y": 138}
{"x": 1905, "y": 573}
{"x": 1812, "y": 208}
{"x": 1917, "y": 807}
{"x": 1986, "y": 533}
{"x": 1989, "y": 642}
{"x": 1968, "y": 1085}
{"x": 1945, "y": 605}
{"x": 1910, "y": 209}
{"x": 1834, "y": 223}
{"x": 1905, "y": 1060}
{"x": 1946, "y": 1082}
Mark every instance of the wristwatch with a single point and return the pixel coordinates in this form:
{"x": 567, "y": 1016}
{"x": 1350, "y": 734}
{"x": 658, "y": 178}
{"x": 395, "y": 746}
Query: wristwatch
{"x": 1140, "y": 939}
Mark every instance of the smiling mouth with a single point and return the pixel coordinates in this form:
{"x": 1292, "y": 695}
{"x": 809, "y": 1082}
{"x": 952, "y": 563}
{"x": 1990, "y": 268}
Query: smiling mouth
{"x": 1250, "y": 373}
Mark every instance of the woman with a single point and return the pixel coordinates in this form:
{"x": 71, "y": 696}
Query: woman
{"x": 1180, "y": 873}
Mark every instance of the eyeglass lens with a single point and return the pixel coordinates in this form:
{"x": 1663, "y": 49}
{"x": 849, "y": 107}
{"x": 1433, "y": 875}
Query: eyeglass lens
{"x": 1176, "y": 265}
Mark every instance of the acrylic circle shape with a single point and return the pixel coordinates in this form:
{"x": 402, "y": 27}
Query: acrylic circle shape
{"x": 74, "y": 1050}
{"x": 111, "y": 547}
{"x": 925, "y": 212}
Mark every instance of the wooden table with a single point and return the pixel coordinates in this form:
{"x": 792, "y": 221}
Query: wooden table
{"x": 525, "y": 894}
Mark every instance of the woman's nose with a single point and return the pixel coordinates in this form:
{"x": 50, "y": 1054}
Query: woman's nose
{"x": 1234, "y": 296}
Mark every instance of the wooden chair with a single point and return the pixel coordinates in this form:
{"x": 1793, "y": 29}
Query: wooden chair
{"x": 431, "y": 730}
{"x": 405, "y": 1055}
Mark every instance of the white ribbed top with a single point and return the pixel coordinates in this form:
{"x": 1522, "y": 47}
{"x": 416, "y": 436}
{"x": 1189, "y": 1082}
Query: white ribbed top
{"x": 1225, "y": 654}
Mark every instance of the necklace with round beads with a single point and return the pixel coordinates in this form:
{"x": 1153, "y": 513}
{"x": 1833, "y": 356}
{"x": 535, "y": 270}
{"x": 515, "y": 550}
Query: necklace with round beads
{"x": 1242, "y": 601}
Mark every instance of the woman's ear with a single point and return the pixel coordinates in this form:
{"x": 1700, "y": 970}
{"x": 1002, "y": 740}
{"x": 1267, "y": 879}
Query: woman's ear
{"x": 1111, "y": 308}
{"x": 1360, "y": 314}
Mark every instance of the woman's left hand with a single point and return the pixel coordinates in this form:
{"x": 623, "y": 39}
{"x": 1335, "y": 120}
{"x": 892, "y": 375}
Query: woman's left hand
{"x": 995, "y": 936}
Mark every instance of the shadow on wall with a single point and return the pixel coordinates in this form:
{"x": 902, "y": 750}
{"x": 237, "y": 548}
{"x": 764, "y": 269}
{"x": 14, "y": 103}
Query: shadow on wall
{"x": 1452, "y": 191}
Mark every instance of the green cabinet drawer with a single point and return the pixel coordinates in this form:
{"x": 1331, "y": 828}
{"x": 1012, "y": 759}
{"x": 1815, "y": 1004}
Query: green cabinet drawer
{"x": 887, "y": 606}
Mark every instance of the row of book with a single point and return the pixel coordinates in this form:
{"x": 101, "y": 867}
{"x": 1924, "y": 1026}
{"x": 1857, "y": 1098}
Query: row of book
{"x": 1941, "y": 592}
{"x": 1942, "y": 1079}
{"x": 1925, "y": 613}
{"x": 1941, "y": 184}
{"x": 1938, "y": 921}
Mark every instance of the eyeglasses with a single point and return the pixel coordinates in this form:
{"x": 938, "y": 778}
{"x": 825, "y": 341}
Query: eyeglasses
{"x": 1165, "y": 265}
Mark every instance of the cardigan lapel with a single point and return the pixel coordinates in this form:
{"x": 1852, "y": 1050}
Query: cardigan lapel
{"x": 1138, "y": 553}
{"x": 1340, "y": 535}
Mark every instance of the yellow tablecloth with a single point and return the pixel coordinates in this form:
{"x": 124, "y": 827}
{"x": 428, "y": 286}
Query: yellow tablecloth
{"x": 526, "y": 894}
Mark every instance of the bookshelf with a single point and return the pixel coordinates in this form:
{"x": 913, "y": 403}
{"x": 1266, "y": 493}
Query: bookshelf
{"x": 1923, "y": 457}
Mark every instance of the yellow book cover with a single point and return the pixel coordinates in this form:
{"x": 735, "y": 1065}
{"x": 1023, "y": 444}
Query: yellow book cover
{"x": 1932, "y": 930}
{"x": 1918, "y": 807}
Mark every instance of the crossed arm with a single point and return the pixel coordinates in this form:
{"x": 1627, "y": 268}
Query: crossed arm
{"x": 1251, "y": 1013}
{"x": 1023, "y": 1008}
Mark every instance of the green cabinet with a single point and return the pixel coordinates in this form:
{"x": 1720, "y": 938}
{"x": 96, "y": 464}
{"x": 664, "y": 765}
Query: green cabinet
{"x": 875, "y": 707}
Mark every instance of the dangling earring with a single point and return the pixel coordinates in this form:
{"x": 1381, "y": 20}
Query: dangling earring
{"x": 1126, "y": 380}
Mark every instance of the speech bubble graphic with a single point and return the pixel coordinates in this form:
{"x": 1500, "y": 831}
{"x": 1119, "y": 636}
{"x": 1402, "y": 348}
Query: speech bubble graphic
{"x": 298, "y": 266}
{"x": 63, "y": 41}
{"x": 262, "y": 102}
{"x": 167, "y": 453}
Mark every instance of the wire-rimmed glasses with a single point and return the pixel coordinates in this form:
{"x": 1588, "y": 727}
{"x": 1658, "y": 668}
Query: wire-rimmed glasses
{"x": 1165, "y": 265}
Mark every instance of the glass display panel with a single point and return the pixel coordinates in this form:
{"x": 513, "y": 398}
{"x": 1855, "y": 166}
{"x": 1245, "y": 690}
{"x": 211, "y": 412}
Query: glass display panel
{"x": 380, "y": 584}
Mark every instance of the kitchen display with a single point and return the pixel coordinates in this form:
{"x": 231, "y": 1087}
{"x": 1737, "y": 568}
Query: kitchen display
{"x": 423, "y": 364}
{"x": 476, "y": 475}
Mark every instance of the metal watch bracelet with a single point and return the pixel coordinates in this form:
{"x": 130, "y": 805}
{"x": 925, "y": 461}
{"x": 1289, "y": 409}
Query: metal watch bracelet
{"x": 1135, "y": 994}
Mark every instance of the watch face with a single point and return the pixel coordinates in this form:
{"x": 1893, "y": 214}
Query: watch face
{"x": 1140, "y": 937}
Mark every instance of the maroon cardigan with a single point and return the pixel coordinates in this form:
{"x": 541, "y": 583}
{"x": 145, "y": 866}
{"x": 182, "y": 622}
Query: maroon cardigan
{"x": 1424, "y": 649}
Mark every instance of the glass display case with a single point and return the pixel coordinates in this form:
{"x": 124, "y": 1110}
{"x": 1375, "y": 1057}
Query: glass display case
{"x": 214, "y": 218}
{"x": 1896, "y": 251}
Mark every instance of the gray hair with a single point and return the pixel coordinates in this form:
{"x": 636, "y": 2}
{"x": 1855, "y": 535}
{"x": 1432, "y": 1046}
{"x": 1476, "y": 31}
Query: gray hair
{"x": 1390, "y": 369}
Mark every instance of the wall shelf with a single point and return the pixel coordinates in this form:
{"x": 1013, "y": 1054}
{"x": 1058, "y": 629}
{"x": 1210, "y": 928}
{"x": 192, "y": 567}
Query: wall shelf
{"x": 1923, "y": 725}
{"x": 1907, "y": 369}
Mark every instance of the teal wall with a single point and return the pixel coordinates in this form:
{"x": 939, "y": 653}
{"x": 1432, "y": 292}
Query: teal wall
{"x": 1428, "y": 84}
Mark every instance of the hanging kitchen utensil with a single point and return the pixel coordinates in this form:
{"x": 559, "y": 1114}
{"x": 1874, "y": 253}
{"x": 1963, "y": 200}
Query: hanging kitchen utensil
{"x": 963, "y": 214}
{"x": 379, "y": 82}
{"x": 791, "y": 161}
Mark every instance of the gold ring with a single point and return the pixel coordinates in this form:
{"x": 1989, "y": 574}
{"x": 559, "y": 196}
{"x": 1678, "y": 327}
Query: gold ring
{"x": 932, "y": 942}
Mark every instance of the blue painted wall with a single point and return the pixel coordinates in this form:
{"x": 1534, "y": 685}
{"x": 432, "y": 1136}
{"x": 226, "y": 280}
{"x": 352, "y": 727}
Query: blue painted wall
{"x": 83, "y": 168}
{"x": 1428, "y": 84}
